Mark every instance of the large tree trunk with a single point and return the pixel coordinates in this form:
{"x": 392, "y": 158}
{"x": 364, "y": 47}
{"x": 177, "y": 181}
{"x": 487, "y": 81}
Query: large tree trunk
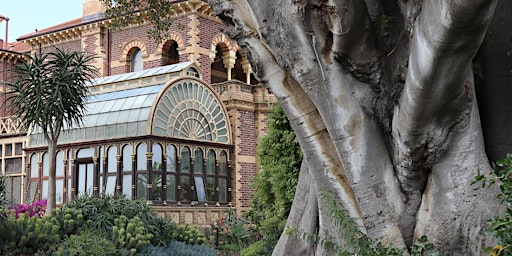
{"x": 381, "y": 97}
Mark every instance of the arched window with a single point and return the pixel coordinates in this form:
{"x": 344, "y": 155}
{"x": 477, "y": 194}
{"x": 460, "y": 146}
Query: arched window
{"x": 218, "y": 71}
{"x": 156, "y": 174}
{"x": 142, "y": 182}
{"x": 136, "y": 63}
{"x": 210, "y": 175}
{"x": 111, "y": 170}
{"x": 223, "y": 177}
{"x": 238, "y": 72}
{"x": 193, "y": 72}
{"x": 170, "y": 53}
{"x": 185, "y": 181}
{"x": 127, "y": 170}
{"x": 59, "y": 181}
{"x": 171, "y": 173}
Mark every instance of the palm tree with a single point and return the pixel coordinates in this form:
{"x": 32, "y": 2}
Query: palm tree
{"x": 51, "y": 91}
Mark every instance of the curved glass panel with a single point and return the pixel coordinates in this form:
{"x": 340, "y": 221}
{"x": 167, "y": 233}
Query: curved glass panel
{"x": 84, "y": 152}
{"x": 171, "y": 159}
{"x": 34, "y": 166}
{"x": 59, "y": 162}
{"x": 223, "y": 164}
{"x": 157, "y": 157}
{"x": 185, "y": 160}
{"x": 46, "y": 164}
{"x": 210, "y": 162}
{"x": 190, "y": 110}
{"x": 141, "y": 156}
{"x": 198, "y": 161}
{"x": 111, "y": 159}
{"x": 136, "y": 60}
{"x": 127, "y": 158}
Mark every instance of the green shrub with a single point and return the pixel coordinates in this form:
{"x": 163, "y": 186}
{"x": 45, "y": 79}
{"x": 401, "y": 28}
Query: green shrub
{"x": 256, "y": 249}
{"x": 28, "y": 235}
{"x": 500, "y": 226}
{"x": 129, "y": 234}
{"x": 188, "y": 234}
{"x": 87, "y": 243}
{"x": 279, "y": 158}
{"x": 176, "y": 248}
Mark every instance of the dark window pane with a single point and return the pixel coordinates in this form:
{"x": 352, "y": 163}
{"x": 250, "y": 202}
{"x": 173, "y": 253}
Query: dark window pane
{"x": 13, "y": 165}
{"x": 157, "y": 186}
{"x": 171, "y": 188}
{"x": 171, "y": 159}
{"x": 127, "y": 185}
{"x": 210, "y": 188}
{"x": 223, "y": 191}
{"x": 185, "y": 160}
{"x": 185, "y": 188}
{"x": 223, "y": 164}
{"x": 198, "y": 162}
{"x": 18, "y": 149}
{"x": 8, "y": 149}
{"x": 141, "y": 157}
{"x": 210, "y": 164}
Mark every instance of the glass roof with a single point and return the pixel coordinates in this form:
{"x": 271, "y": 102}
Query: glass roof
{"x": 188, "y": 109}
{"x": 115, "y": 114}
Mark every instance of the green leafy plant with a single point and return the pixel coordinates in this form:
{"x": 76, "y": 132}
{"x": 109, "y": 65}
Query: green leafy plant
{"x": 129, "y": 234}
{"x": 279, "y": 158}
{"x": 188, "y": 234}
{"x": 233, "y": 233}
{"x": 177, "y": 249}
{"x": 85, "y": 243}
{"x": 500, "y": 226}
{"x": 27, "y": 235}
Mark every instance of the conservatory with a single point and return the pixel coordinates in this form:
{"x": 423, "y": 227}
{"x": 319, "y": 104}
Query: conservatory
{"x": 160, "y": 135}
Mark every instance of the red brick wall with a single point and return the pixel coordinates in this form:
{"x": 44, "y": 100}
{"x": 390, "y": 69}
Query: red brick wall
{"x": 246, "y": 147}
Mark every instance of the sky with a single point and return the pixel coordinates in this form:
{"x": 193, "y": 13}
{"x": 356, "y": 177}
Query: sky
{"x": 27, "y": 15}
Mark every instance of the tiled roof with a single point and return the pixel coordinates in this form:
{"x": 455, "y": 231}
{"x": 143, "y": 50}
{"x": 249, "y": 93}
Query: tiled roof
{"x": 61, "y": 26}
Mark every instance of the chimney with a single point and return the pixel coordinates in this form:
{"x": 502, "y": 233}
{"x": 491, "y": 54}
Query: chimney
{"x": 93, "y": 9}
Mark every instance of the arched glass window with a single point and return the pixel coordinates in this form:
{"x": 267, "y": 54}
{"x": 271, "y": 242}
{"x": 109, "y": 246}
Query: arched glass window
{"x": 171, "y": 173}
{"x": 59, "y": 173}
{"x": 185, "y": 181}
{"x": 210, "y": 175}
{"x": 198, "y": 176}
{"x": 34, "y": 179}
{"x": 34, "y": 166}
{"x": 192, "y": 72}
{"x": 223, "y": 179}
{"x": 127, "y": 170}
{"x": 46, "y": 165}
{"x": 111, "y": 170}
{"x": 142, "y": 149}
{"x": 190, "y": 110}
{"x": 156, "y": 175}
{"x": 136, "y": 60}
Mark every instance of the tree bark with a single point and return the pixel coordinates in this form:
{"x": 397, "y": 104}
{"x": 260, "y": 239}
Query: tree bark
{"x": 51, "y": 202}
{"x": 381, "y": 97}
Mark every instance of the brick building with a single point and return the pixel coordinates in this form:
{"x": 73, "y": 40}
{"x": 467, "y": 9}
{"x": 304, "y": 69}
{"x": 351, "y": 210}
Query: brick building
{"x": 175, "y": 123}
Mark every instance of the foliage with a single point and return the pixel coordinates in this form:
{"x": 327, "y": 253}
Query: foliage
{"x": 127, "y": 12}
{"x": 500, "y": 226}
{"x": 356, "y": 242}
{"x": 177, "y": 249}
{"x": 233, "y": 233}
{"x": 3, "y": 200}
{"x": 35, "y": 208}
{"x": 85, "y": 243}
{"x": 257, "y": 248}
{"x": 51, "y": 89}
{"x": 188, "y": 234}
{"x": 129, "y": 234}
{"x": 28, "y": 235}
{"x": 279, "y": 158}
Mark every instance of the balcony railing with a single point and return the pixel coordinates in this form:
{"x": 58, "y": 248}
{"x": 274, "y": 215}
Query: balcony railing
{"x": 11, "y": 125}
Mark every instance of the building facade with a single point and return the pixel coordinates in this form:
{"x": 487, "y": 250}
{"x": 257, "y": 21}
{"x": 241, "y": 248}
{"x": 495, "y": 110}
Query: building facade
{"x": 175, "y": 123}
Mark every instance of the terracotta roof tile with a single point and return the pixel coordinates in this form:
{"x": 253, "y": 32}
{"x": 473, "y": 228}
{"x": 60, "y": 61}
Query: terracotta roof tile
{"x": 54, "y": 28}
